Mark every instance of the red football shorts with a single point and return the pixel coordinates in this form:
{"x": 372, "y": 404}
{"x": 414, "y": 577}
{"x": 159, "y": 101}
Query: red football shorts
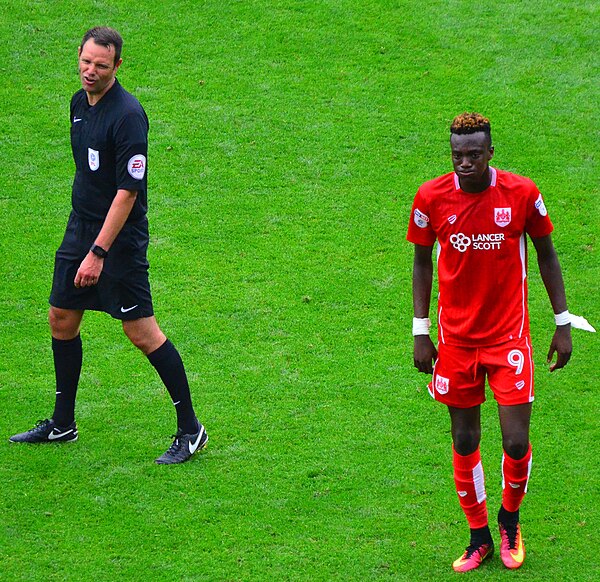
{"x": 459, "y": 374}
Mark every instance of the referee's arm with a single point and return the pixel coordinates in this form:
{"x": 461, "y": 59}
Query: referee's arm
{"x": 91, "y": 267}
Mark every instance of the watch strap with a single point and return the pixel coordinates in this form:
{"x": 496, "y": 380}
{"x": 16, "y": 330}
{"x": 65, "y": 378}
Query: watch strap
{"x": 99, "y": 251}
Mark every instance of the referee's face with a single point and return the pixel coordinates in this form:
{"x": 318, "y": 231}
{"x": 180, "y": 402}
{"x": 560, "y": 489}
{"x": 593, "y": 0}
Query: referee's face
{"x": 97, "y": 69}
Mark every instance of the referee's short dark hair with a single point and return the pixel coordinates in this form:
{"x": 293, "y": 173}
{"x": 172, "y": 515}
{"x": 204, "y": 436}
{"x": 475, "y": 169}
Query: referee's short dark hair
{"x": 105, "y": 36}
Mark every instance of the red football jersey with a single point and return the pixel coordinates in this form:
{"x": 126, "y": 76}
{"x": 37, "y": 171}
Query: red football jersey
{"x": 481, "y": 254}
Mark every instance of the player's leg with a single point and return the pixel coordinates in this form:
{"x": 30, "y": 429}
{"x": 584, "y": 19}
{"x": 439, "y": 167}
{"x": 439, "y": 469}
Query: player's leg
{"x": 459, "y": 382}
{"x": 68, "y": 355}
{"x": 146, "y": 335}
{"x": 470, "y": 484}
{"x": 516, "y": 467}
{"x": 511, "y": 378}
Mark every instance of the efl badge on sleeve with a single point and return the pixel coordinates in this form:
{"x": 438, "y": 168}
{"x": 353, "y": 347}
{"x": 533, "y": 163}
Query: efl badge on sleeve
{"x": 93, "y": 159}
{"x": 539, "y": 204}
{"x": 502, "y": 216}
{"x": 421, "y": 220}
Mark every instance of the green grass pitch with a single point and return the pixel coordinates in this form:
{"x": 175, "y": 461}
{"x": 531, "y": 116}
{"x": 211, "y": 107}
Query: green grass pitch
{"x": 287, "y": 141}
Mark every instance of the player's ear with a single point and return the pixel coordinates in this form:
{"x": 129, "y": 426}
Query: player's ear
{"x": 491, "y": 150}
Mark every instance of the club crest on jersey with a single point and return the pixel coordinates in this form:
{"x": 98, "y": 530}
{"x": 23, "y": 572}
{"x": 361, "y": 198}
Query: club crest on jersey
{"x": 502, "y": 216}
{"x": 442, "y": 385}
{"x": 421, "y": 220}
{"x": 93, "y": 159}
{"x": 539, "y": 204}
{"x": 136, "y": 166}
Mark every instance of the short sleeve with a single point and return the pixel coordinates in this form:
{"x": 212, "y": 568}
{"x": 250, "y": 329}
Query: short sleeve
{"x": 420, "y": 231}
{"x": 538, "y": 223}
{"x": 131, "y": 151}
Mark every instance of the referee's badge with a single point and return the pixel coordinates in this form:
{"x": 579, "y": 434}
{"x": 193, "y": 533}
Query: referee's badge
{"x": 93, "y": 159}
{"x": 136, "y": 166}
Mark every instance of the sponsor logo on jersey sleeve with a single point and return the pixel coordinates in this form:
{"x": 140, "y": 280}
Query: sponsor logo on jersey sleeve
{"x": 502, "y": 216}
{"x": 442, "y": 385}
{"x": 421, "y": 219}
{"x": 93, "y": 159}
{"x": 136, "y": 166}
{"x": 539, "y": 204}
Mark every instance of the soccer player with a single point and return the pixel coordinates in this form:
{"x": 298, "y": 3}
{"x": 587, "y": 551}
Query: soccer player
{"x": 101, "y": 263}
{"x": 479, "y": 217}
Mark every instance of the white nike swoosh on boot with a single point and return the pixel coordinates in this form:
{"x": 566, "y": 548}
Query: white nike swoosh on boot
{"x": 53, "y": 436}
{"x": 193, "y": 446}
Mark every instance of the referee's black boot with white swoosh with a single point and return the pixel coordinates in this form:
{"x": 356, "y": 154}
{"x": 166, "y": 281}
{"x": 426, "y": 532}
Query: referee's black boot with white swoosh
{"x": 46, "y": 431}
{"x": 184, "y": 446}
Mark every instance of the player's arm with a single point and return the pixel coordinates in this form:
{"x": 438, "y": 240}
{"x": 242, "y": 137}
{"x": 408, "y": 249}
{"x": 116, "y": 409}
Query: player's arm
{"x": 424, "y": 350}
{"x": 91, "y": 267}
{"x": 553, "y": 281}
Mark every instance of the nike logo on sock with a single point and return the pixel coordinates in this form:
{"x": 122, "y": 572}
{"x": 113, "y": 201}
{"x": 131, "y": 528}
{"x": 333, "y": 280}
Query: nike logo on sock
{"x": 56, "y": 435}
{"x": 514, "y": 485}
{"x": 462, "y": 493}
{"x": 193, "y": 446}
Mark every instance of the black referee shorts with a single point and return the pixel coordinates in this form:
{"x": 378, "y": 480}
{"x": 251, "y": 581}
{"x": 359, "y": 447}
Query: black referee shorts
{"x": 123, "y": 289}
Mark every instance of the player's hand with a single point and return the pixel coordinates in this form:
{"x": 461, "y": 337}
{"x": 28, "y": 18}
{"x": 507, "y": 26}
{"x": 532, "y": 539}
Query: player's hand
{"x": 561, "y": 345}
{"x": 425, "y": 354}
{"x": 89, "y": 271}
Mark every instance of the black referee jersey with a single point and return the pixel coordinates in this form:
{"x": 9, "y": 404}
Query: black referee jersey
{"x": 110, "y": 148}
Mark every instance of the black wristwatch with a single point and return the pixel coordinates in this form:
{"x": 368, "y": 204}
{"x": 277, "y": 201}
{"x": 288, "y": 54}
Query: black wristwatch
{"x": 99, "y": 251}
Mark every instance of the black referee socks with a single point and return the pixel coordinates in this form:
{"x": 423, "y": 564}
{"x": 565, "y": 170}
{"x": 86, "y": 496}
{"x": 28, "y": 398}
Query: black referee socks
{"x": 68, "y": 355}
{"x": 167, "y": 362}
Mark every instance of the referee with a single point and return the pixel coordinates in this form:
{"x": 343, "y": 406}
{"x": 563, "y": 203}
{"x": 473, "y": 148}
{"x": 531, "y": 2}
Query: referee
{"x": 101, "y": 263}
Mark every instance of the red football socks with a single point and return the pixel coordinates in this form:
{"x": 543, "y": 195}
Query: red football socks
{"x": 470, "y": 486}
{"x": 515, "y": 474}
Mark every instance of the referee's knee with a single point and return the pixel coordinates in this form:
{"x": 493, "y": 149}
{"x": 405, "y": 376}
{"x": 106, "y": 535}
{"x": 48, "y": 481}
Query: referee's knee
{"x": 144, "y": 334}
{"x": 64, "y": 323}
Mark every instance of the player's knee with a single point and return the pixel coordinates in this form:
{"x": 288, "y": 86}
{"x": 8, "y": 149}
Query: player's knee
{"x": 516, "y": 446}
{"x": 466, "y": 441}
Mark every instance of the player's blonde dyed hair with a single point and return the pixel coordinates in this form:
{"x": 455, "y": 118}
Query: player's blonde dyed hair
{"x": 471, "y": 123}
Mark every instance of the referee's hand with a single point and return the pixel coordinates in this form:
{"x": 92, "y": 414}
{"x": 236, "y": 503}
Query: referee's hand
{"x": 89, "y": 271}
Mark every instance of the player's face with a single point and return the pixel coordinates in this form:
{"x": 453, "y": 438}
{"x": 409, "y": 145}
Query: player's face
{"x": 97, "y": 69}
{"x": 471, "y": 154}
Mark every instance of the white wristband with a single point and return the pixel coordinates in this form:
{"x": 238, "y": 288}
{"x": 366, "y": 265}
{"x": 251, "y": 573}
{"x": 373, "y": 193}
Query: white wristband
{"x": 421, "y": 325}
{"x": 562, "y": 318}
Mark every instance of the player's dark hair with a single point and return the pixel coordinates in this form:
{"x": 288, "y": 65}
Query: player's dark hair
{"x": 105, "y": 36}
{"x": 471, "y": 123}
